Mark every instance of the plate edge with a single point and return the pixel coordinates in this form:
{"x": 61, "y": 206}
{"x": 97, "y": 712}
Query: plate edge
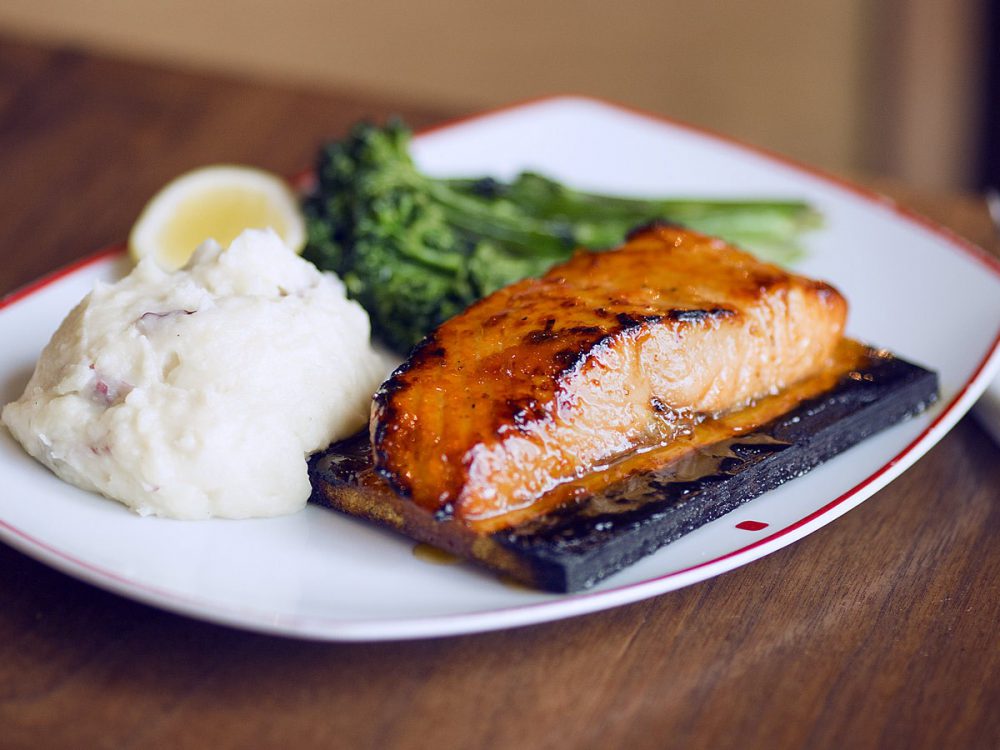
{"x": 523, "y": 615}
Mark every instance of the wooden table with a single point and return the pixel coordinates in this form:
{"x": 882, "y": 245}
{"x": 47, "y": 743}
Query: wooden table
{"x": 881, "y": 630}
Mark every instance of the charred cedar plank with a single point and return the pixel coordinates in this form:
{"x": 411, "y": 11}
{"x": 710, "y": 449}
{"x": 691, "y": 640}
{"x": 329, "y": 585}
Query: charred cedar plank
{"x": 575, "y": 547}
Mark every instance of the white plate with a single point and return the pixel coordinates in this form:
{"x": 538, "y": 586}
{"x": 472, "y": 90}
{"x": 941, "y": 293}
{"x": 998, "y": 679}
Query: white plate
{"x": 913, "y": 288}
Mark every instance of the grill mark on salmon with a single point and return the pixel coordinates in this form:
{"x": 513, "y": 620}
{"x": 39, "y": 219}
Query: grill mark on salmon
{"x": 607, "y": 354}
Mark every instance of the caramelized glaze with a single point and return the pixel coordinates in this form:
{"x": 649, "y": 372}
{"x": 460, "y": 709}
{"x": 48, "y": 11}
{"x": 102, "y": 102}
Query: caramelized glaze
{"x": 661, "y": 470}
{"x": 433, "y": 555}
{"x": 550, "y": 382}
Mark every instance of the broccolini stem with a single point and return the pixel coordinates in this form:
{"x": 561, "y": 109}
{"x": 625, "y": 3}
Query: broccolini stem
{"x": 415, "y": 250}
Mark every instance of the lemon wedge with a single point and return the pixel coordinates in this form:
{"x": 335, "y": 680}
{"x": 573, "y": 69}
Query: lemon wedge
{"x": 215, "y": 202}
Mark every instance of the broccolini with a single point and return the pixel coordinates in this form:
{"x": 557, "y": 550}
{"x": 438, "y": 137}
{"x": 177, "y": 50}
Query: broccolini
{"x": 415, "y": 250}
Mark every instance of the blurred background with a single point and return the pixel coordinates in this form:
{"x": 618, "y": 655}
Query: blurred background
{"x": 906, "y": 89}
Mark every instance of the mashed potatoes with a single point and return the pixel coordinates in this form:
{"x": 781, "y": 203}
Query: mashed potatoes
{"x": 199, "y": 393}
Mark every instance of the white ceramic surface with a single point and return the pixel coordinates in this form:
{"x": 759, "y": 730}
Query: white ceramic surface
{"x": 987, "y": 410}
{"x": 913, "y": 288}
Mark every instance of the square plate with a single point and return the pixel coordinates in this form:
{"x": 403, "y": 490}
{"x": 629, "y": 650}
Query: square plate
{"x": 316, "y": 574}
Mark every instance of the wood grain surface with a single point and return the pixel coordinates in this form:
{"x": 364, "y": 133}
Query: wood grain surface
{"x": 878, "y": 631}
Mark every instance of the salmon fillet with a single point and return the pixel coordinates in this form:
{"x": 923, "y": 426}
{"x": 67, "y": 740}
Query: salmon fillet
{"x": 608, "y": 354}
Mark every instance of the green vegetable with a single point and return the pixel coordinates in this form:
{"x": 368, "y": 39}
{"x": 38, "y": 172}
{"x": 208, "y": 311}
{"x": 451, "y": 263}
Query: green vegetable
{"x": 415, "y": 250}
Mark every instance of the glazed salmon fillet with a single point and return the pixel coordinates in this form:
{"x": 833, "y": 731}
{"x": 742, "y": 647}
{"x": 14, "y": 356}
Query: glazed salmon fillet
{"x": 608, "y": 354}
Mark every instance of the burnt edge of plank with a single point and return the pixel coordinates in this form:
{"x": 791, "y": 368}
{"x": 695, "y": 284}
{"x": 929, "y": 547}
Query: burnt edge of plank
{"x": 574, "y": 547}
